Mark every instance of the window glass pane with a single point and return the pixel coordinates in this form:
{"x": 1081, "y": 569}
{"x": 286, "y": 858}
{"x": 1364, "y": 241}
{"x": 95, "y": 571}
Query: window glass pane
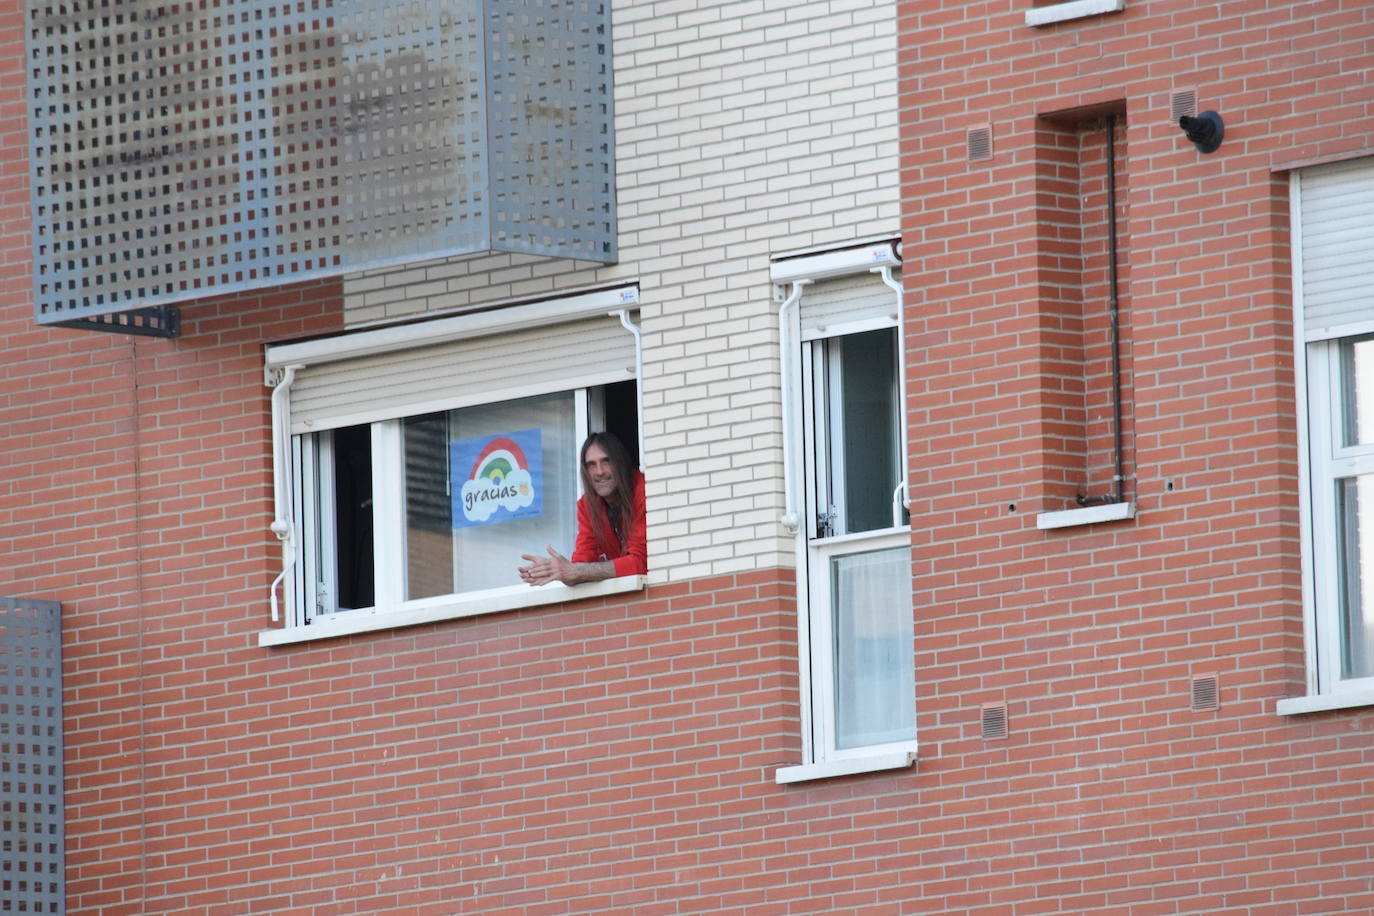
{"x": 509, "y": 487}
{"x": 1357, "y": 383}
{"x": 1356, "y": 532}
{"x": 875, "y": 683}
{"x": 429, "y": 507}
{"x": 866, "y": 429}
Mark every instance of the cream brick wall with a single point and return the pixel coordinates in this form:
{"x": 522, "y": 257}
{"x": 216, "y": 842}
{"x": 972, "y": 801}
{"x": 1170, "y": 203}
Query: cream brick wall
{"x": 743, "y": 130}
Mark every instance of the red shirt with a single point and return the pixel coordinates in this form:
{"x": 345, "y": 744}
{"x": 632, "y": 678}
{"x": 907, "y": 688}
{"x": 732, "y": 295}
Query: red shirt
{"x": 630, "y": 558}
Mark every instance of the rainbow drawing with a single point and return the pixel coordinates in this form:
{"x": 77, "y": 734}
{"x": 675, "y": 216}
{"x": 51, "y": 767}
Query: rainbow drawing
{"x": 498, "y": 458}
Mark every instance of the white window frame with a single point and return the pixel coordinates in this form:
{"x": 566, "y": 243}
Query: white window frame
{"x": 303, "y": 520}
{"x": 1323, "y": 460}
{"x": 821, "y": 756}
{"x": 820, "y": 665}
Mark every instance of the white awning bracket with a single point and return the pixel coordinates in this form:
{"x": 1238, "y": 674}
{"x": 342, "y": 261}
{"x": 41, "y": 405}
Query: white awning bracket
{"x": 283, "y": 525}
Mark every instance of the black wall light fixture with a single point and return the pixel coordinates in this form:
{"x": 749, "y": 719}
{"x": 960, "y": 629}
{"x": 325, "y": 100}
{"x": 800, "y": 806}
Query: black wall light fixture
{"x": 1205, "y": 131}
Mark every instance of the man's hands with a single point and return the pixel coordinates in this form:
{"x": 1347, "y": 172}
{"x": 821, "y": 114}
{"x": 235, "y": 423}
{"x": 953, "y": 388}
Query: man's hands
{"x": 558, "y": 568}
{"x": 543, "y": 570}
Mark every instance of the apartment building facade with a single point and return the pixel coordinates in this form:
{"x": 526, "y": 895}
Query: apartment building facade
{"x": 849, "y": 298}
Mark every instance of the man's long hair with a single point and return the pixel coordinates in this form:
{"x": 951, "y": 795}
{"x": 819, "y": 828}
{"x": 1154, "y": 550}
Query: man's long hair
{"x": 623, "y": 497}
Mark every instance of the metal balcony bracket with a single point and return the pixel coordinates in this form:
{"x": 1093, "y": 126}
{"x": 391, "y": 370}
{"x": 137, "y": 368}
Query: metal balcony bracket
{"x": 154, "y": 321}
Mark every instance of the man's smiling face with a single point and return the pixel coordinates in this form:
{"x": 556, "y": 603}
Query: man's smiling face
{"x": 600, "y": 471}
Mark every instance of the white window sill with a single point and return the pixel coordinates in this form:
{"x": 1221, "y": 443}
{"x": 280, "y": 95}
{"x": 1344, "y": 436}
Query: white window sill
{"x": 1323, "y": 702}
{"x": 448, "y": 607}
{"x": 1073, "y": 9}
{"x": 806, "y": 772}
{"x": 1088, "y": 515}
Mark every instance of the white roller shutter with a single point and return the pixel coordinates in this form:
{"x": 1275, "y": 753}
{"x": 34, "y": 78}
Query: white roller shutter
{"x": 1334, "y": 248}
{"x": 846, "y": 304}
{"x": 497, "y": 355}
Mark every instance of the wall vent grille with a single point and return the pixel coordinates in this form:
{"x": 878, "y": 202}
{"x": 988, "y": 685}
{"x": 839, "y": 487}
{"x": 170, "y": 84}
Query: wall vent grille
{"x": 980, "y": 143}
{"x": 1182, "y": 104}
{"x": 994, "y": 720}
{"x": 1204, "y": 692}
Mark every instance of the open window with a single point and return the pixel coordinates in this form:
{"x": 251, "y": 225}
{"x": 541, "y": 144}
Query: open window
{"x": 847, "y": 500}
{"x": 858, "y": 550}
{"x": 419, "y": 469}
{"x": 855, "y": 450}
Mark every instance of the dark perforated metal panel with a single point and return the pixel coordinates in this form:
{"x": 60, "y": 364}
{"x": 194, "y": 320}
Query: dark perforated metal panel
{"x": 188, "y": 147}
{"x": 31, "y": 831}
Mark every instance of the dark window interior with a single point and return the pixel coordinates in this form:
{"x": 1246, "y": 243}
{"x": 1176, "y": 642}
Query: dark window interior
{"x": 868, "y": 369}
{"x": 622, "y": 416}
{"x": 353, "y": 516}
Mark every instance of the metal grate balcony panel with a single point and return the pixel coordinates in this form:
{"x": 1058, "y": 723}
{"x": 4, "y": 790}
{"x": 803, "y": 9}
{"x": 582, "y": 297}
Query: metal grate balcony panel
{"x": 32, "y": 833}
{"x": 183, "y": 148}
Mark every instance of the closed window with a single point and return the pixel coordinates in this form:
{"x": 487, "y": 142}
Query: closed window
{"x": 1341, "y": 487}
{"x": 1333, "y": 254}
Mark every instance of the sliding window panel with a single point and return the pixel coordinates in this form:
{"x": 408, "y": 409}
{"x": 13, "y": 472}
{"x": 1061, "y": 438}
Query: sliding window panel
{"x": 874, "y": 680}
{"x": 504, "y": 483}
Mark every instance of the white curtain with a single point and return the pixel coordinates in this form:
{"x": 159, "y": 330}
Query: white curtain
{"x": 875, "y": 683}
{"x": 1357, "y": 536}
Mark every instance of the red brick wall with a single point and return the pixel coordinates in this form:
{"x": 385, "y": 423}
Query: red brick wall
{"x": 1074, "y": 259}
{"x": 1110, "y": 794}
{"x": 137, "y": 491}
{"x": 560, "y": 760}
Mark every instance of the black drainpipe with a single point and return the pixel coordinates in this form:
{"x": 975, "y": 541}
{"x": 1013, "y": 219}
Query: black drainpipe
{"x": 1119, "y": 478}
